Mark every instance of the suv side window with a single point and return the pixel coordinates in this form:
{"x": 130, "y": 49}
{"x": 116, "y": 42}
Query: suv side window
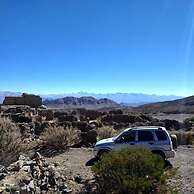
{"x": 128, "y": 136}
{"x": 161, "y": 135}
{"x": 145, "y": 136}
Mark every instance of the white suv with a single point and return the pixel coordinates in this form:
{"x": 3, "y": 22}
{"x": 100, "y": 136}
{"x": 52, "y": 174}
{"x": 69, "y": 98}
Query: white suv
{"x": 157, "y": 139}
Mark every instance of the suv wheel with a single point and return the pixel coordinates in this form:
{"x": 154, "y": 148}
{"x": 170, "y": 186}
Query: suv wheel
{"x": 159, "y": 154}
{"x": 102, "y": 153}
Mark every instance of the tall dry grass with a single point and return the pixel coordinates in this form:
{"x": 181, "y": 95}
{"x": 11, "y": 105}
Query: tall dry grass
{"x": 60, "y": 138}
{"x": 184, "y": 138}
{"x": 10, "y": 142}
{"x": 106, "y": 132}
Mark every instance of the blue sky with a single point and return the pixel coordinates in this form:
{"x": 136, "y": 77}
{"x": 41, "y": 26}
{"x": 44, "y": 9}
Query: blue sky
{"x": 57, "y": 46}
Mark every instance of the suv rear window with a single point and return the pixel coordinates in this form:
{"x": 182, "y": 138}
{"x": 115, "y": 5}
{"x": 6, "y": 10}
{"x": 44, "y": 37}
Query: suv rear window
{"x": 145, "y": 136}
{"x": 161, "y": 135}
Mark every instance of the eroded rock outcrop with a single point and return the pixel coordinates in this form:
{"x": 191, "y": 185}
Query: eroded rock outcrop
{"x": 25, "y": 99}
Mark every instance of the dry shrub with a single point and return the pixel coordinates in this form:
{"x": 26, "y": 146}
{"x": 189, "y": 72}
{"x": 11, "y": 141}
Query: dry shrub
{"x": 133, "y": 171}
{"x": 60, "y": 138}
{"x": 10, "y": 142}
{"x": 105, "y": 132}
{"x": 184, "y": 138}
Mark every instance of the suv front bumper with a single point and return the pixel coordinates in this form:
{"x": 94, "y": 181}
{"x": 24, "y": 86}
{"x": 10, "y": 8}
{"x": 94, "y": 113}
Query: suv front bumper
{"x": 170, "y": 154}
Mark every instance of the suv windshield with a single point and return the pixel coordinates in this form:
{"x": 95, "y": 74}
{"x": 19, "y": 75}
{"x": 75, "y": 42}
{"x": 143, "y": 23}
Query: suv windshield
{"x": 128, "y": 136}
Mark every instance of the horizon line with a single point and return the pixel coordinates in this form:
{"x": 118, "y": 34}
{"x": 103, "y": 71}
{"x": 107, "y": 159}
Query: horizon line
{"x": 95, "y": 93}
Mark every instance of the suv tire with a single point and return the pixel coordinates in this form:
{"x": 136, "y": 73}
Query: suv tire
{"x": 160, "y": 154}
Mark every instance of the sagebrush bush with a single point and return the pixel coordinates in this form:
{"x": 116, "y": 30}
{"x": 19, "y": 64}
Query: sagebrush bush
{"x": 131, "y": 171}
{"x": 11, "y": 144}
{"x": 105, "y": 132}
{"x": 60, "y": 138}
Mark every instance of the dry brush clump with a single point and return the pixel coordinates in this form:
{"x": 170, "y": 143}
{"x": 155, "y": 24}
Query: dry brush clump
{"x": 106, "y": 132}
{"x": 59, "y": 138}
{"x": 184, "y": 138}
{"x": 11, "y": 144}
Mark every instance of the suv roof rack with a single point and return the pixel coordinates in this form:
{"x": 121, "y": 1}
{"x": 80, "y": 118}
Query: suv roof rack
{"x": 148, "y": 127}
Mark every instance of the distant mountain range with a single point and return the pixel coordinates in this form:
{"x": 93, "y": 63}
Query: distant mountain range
{"x": 127, "y": 99}
{"x": 184, "y": 105}
{"x": 131, "y": 99}
{"x": 87, "y": 102}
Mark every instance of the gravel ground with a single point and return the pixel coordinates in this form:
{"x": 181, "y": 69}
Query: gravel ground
{"x": 178, "y": 117}
{"x": 183, "y": 181}
{"x": 73, "y": 164}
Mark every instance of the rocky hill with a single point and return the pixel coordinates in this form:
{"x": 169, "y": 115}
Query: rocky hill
{"x": 184, "y": 105}
{"x": 87, "y": 102}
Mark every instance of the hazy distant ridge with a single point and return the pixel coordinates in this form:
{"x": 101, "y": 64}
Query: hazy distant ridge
{"x": 125, "y": 98}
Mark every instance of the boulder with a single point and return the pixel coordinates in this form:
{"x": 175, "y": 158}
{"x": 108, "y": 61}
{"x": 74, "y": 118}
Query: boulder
{"x": 19, "y": 118}
{"x": 81, "y": 125}
{"x": 58, "y": 114}
{"x": 172, "y": 124}
{"x": 89, "y": 138}
{"x": 116, "y": 112}
{"x": 89, "y": 114}
{"x": 70, "y": 118}
{"x": 48, "y": 114}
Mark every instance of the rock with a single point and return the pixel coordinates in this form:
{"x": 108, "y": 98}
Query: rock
{"x": 34, "y": 176}
{"x": 121, "y": 118}
{"x": 172, "y": 124}
{"x": 41, "y": 127}
{"x": 2, "y": 175}
{"x": 58, "y": 114}
{"x": 18, "y": 118}
{"x": 70, "y": 118}
{"x": 48, "y": 114}
{"x": 31, "y": 185}
{"x": 116, "y": 112}
{"x": 66, "y": 191}
{"x": 81, "y": 125}
{"x": 26, "y": 168}
{"x": 25, "y": 99}
{"x": 3, "y": 169}
{"x": 78, "y": 179}
{"x": 89, "y": 114}
{"x": 3, "y": 172}
{"x": 14, "y": 167}
{"x": 2, "y": 189}
{"x": 89, "y": 138}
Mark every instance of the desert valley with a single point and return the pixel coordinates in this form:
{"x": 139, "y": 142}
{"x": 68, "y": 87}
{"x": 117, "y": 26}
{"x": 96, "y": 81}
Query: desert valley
{"x": 46, "y": 145}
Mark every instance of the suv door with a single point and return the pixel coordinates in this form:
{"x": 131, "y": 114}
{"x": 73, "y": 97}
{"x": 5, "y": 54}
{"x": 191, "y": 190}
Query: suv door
{"x": 146, "y": 138}
{"x": 126, "y": 139}
{"x": 163, "y": 140}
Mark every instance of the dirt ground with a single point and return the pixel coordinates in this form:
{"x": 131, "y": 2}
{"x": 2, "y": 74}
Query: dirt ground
{"x": 73, "y": 164}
